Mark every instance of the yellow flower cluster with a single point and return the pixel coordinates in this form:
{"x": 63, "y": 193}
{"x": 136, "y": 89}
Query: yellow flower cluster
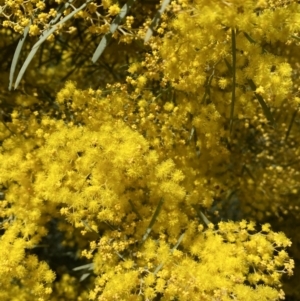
{"x": 205, "y": 117}
{"x": 94, "y": 171}
{"x": 198, "y": 268}
{"x": 199, "y": 50}
{"x": 40, "y": 16}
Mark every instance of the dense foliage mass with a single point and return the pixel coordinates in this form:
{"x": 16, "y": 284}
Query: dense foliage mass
{"x": 149, "y": 150}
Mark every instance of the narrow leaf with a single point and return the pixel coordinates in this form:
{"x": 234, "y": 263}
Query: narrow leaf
{"x": 134, "y": 210}
{"x": 158, "y": 268}
{"x": 154, "y": 217}
{"x": 264, "y": 106}
{"x": 156, "y": 20}
{"x": 295, "y": 37}
{"x": 113, "y": 27}
{"x": 88, "y": 266}
{"x": 252, "y": 41}
{"x": 24, "y": 67}
{"x": 16, "y": 56}
{"x": 228, "y": 66}
{"x": 178, "y": 243}
{"x": 84, "y": 276}
{"x": 249, "y": 38}
{"x": 120, "y": 256}
{"x": 204, "y": 218}
{"x": 291, "y": 124}
{"x": 101, "y": 47}
{"x": 208, "y": 86}
{"x": 192, "y": 134}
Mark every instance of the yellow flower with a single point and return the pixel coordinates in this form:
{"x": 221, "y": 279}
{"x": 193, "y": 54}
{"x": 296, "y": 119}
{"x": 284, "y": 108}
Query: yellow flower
{"x": 169, "y": 106}
{"x": 223, "y": 82}
{"x": 266, "y": 228}
{"x": 34, "y": 30}
{"x": 114, "y": 10}
{"x": 41, "y": 5}
{"x": 141, "y": 81}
